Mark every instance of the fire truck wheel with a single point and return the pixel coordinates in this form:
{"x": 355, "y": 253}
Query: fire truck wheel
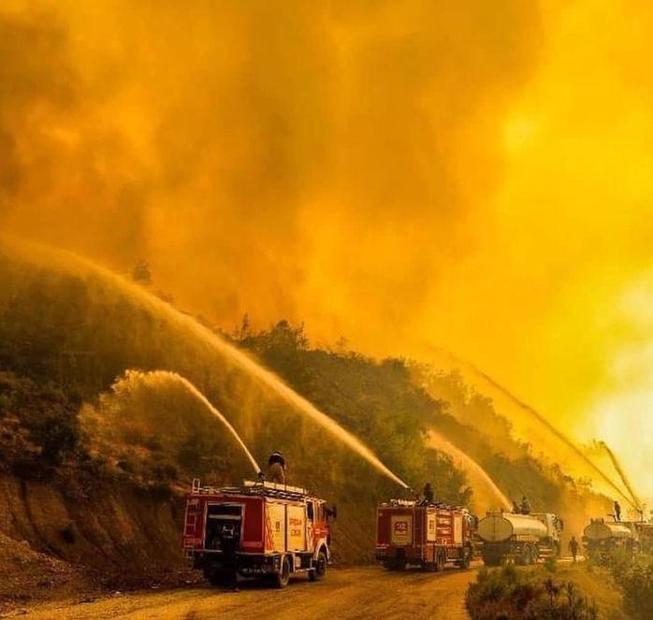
{"x": 440, "y": 560}
{"x": 283, "y": 577}
{"x": 492, "y": 559}
{"x": 220, "y": 577}
{"x": 320, "y": 567}
{"x": 467, "y": 558}
{"x": 526, "y": 557}
{"x": 535, "y": 554}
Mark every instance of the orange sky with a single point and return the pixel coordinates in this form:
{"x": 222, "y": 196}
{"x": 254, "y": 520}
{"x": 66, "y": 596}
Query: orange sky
{"x": 404, "y": 174}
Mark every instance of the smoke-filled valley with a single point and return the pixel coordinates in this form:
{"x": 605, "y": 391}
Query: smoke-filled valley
{"x": 399, "y": 242}
{"x": 406, "y": 175}
{"x": 80, "y": 419}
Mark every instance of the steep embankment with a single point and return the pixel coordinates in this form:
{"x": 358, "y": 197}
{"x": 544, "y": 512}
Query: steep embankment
{"x": 73, "y": 327}
{"x": 114, "y": 527}
{"x": 122, "y": 536}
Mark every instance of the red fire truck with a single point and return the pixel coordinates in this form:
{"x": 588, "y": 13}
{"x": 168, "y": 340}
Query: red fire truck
{"x": 261, "y": 529}
{"x": 423, "y": 534}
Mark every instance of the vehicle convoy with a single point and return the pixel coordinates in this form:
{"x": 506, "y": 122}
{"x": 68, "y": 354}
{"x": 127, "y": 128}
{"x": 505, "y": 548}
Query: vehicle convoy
{"x": 261, "y": 529}
{"x": 602, "y": 537}
{"x": 523, "y": 538}
{"x": 424, "y": 534}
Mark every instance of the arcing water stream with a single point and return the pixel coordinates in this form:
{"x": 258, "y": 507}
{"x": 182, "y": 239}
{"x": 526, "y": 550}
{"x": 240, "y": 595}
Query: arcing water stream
{"x": 622, "y": 474}
{"x": 69, "y": 262}
{"x": 541, "y": 420}
{"x": 562, "y": 437}
{"x": 158, "y": 378}
{"x": 476, "y": 474}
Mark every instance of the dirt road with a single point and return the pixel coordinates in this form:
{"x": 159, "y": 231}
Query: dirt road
{"x": 365, "y": 592}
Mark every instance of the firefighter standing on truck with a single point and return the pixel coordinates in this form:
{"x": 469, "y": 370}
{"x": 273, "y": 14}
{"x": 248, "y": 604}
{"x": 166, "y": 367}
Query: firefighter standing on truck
{"x": 277, "y": 468}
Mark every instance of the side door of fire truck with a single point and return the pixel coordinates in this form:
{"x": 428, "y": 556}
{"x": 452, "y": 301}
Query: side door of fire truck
{"x": 318, "y": 529}
{"x": 296, "y": 531}
{"x": 311, "y": 516}
{"x": 275, "y": 527}
{"x": 318, "y": 542}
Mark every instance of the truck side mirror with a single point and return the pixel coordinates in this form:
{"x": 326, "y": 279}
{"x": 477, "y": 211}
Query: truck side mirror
{"x": 332, "y": 512}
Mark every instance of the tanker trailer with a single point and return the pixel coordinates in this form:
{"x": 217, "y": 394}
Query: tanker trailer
{"x": 601, "y": 538}
{"x": 519, "y": 537}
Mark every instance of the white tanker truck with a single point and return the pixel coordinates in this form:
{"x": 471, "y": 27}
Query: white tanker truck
{"x": 524, "y": 538}
{"x": 602, "y": 537}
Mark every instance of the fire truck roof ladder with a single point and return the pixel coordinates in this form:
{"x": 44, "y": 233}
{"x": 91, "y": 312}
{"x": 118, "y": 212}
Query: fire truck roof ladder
{"x": 266, "y": 489}
{"x": 274, "y": 489}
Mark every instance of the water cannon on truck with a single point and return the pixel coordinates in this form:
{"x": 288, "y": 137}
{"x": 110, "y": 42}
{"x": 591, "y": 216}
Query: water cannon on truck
{"x": 524, "y": 538}
{"x": 259, "y": 529}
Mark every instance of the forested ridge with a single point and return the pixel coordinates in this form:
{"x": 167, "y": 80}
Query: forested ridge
{"x": 77, "y": 410}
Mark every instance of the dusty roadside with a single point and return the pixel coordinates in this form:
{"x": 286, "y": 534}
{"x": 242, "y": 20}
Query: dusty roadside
{"x": 360, "y": 592}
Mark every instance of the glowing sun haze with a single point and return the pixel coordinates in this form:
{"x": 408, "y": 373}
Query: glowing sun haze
{"x": 473, "y": 175}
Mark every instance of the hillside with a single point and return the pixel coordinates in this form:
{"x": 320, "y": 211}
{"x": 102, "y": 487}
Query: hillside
{"x": 94, "y": 459}
{"x": 69, "y": 330}
{"x": 385, "y": 399}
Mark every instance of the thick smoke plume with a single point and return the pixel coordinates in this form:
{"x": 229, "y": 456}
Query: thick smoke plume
{"x": 473, "y": 175}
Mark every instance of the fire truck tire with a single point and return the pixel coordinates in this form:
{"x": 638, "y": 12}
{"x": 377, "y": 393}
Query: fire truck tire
{"x": 535, "y": 553}
{"x": 219, "y": 577}
{"x": 492, "y": 559}
{"x": 440, "y": 560}
{"x": 523, "y": 558}
{"x": 395, "y": 564}
{"x": 282, "y": 578}
{"x": 527, "y": 556}
{"x": 530, "y": 555}
{"x": 467, "y": 558}
{"x": 320, "y": 567}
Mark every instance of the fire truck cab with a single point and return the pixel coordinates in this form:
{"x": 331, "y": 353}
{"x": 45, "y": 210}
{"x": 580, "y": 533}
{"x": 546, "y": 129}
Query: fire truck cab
{"x": 423, "y": 534}
{"x": 261, "y": 529}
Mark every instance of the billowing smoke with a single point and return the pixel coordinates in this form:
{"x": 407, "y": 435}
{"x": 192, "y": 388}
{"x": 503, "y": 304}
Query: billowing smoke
{"x": 307, "y": 160}
{"x": 473, "y": 175}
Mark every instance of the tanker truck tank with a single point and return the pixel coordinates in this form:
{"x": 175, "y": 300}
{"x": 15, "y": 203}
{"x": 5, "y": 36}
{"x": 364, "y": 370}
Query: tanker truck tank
{"x": 602, "y": 538}
{"x": 598, "y": 530}
{"x": 524, "y": 538}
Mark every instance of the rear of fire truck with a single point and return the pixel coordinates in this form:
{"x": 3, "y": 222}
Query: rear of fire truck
{"x": 423, "y": 534}
{"x": 259, "y": 530}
